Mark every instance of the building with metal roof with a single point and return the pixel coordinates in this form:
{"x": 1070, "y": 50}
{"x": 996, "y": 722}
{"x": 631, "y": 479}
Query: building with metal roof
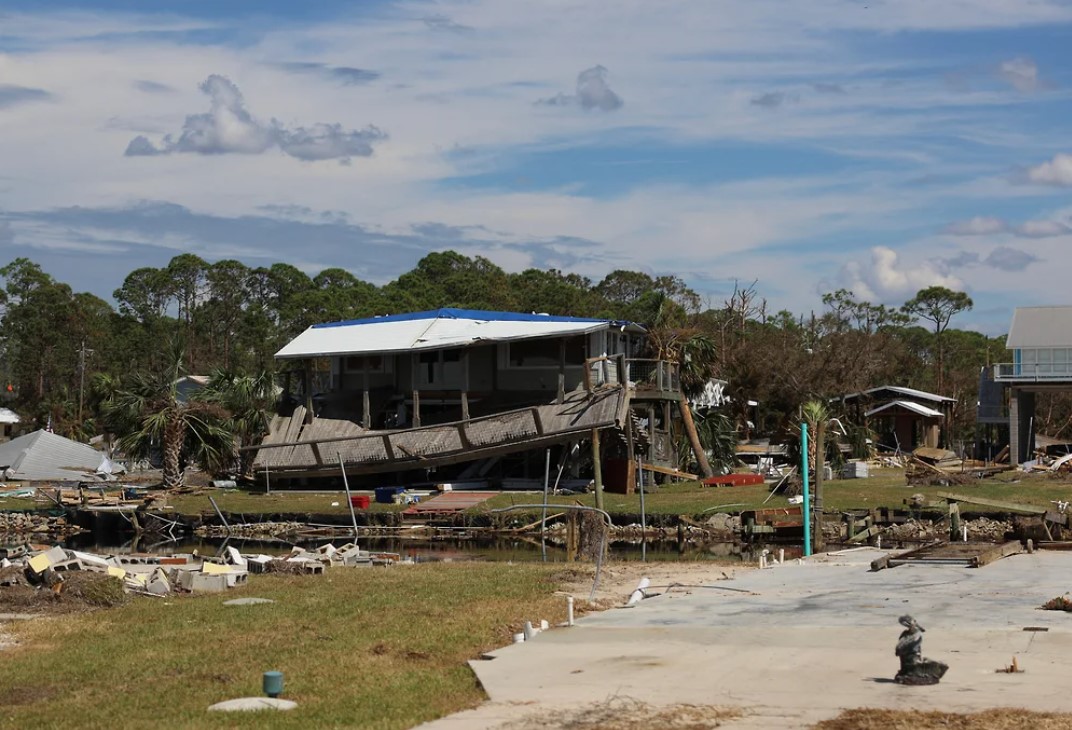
{"x": 46, "y": 456}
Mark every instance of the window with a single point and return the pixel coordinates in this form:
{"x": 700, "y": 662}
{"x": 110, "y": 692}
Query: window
{"x": 543, "y": 353}
{"x": 365, "y": 363}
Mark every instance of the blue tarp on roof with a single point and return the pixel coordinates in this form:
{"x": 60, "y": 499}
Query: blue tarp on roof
{"x": 452, "y": 313}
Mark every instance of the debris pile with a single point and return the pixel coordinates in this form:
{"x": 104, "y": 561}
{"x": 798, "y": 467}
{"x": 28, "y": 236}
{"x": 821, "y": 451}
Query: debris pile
{"x": 54, "y": 569}
{"x": 1061, "y": 603}
{"x": 1047, "y": 464}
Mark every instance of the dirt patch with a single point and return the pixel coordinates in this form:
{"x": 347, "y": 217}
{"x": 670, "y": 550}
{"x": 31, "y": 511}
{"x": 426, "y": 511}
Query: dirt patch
{"x": 618, "y": 580}
{"x": 1000, "y": 719}
{"x": 629, "y": 714}
{"x": 78, "y": 591}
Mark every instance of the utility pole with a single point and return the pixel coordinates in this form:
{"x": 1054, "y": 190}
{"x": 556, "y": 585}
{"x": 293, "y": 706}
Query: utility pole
{"x": 82, "y": 352}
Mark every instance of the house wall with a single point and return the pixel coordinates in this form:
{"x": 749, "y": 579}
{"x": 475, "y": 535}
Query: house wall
{"x": 491, "y": 367}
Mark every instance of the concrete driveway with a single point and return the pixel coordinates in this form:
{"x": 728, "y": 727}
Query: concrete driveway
{"x": 802, "y": 643}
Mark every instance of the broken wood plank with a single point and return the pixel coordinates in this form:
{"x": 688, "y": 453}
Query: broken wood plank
{"x": 1027, "y": 509}
{"x": 670, "y": 472}
{"x": 997, "y": 553}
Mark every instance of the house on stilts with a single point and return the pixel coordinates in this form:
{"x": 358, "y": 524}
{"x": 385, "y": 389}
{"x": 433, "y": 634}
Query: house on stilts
{"x": 457, "y": 395}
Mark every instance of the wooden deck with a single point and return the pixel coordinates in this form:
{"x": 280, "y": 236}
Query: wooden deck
{"x": 965, "y": 554}
{"x": 294, "y": 448}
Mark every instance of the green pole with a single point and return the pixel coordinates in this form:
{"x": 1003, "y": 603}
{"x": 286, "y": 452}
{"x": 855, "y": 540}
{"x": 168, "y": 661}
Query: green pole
{"x": 806, "y": 511}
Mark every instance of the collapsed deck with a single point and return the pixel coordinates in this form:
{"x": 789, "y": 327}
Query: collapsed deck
{"x": 294, "y": 448}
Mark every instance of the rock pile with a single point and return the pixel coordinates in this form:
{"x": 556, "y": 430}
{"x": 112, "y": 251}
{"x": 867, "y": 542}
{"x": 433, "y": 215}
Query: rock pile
{"x": 22, "y": 522}
{"x": 987, "y": 530}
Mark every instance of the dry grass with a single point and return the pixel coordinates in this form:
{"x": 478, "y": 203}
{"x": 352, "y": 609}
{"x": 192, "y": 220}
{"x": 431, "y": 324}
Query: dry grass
{"x": 78, "y": 592}
{"x": 365, "y": 648}
{"x": 1000, "y": 719}
{"x": 628, "y": 714}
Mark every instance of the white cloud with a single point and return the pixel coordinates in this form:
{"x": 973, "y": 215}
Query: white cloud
{"x": 1057, "y": 171}
{"x": 1021, "y": 73}
{"x": 888, "y": 279}
{"x": 228, "y": 127}
{"x": 978, "y": 226}
{"x": 1042, "y": 229}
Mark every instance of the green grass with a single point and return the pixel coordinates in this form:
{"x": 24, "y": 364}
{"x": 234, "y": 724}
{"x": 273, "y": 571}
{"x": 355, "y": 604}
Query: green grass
{"x": 257, "y": 503}
{"x": 886, "y": 488}
{"x": 368, "y": 648}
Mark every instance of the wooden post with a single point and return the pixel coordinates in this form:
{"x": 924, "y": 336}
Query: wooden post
{"x": 415, "y": 363}
{"x": 465, "y": 385}
{"x": 561, "y": 371}
{"x": 307, "y": 384}
{"x": 597, "y": 468}
{"x": 954, "y": 521}
{"x": 366, "y": 417}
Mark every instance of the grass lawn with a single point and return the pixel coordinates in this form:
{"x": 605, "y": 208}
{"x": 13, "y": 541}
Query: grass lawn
{"x": 886, "y": 488}
{"x": 368, "y": 648}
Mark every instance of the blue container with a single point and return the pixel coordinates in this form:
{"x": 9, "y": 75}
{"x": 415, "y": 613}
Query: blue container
{"x": 386, "y": 495}
{"x": 273, "y": 683}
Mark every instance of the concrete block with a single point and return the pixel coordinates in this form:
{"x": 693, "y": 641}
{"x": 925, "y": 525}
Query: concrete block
{"x": 67, "y": 565}
{"x": 200, "y": 582}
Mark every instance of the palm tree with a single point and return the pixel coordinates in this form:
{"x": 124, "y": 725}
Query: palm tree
{"x": 817, "y": 416}
{"x": 248, "y": 399}
{"x": 146, "y": 413}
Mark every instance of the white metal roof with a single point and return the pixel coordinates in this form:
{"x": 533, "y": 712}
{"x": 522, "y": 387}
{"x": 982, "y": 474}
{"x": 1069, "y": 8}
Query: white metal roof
{"x": 909, "y": 392}
{"x": 908, "y": 406}
{"x": 45, "y": 456}
{"x": 434, "y": 330}
{"x": 1040, "y": 327}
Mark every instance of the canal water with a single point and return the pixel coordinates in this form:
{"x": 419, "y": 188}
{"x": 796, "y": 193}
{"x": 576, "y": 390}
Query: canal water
{"x": 447, "y": 549}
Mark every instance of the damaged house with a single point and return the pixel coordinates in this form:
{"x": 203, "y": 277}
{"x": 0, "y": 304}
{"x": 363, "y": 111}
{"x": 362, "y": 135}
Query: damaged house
{"x": 456, "y": 395}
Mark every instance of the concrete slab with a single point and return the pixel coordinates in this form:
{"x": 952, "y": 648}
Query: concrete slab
{"x": 250, "y": 601}
{"x": 804, "y": 643}
{"x": 253, "y": 704}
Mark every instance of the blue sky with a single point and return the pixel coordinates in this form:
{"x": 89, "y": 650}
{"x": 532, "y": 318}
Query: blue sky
{"x": 878, "y": 145}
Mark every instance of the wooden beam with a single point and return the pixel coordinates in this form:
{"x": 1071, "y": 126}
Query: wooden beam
{"x": 997, "y": 553}
{"x": 670, "y": 472}
{"x": 1027, "y": 509}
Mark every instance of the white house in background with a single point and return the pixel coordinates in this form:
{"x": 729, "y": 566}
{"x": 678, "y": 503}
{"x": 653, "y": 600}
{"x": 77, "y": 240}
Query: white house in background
{"x": 9, "y": 420}
{"x": 1040, "y": 342}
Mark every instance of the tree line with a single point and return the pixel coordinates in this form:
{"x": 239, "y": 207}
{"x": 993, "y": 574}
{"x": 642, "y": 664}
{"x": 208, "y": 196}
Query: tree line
{"x": 61, "y": 350}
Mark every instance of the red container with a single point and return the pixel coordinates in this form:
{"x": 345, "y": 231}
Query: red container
{"x": 360, "y": 501}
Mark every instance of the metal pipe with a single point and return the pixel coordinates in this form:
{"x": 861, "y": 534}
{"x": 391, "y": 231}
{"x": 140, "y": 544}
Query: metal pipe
{"x": 222, "y": 518}
{"x": 546, "y": 486}
{"x": 346, "y": 486}
{"x": 643, "y": 514}
{"x": 807, "y": 502}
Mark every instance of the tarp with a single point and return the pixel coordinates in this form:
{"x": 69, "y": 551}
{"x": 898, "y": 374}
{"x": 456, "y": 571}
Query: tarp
{"x": 44, "y": 456}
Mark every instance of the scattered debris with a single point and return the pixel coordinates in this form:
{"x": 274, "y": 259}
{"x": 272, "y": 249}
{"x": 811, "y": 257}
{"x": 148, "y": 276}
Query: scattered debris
{"x": 1061, "y": 603}
{"x": 34, "y": 577}
{"x": 1013, "y": 668}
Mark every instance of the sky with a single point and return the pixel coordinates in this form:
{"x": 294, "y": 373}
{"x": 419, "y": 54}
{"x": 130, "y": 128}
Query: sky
{"x": 880, "y": 146}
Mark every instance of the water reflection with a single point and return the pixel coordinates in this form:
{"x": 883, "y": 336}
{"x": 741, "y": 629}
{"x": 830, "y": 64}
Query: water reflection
{"x": 448, "y": 549}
